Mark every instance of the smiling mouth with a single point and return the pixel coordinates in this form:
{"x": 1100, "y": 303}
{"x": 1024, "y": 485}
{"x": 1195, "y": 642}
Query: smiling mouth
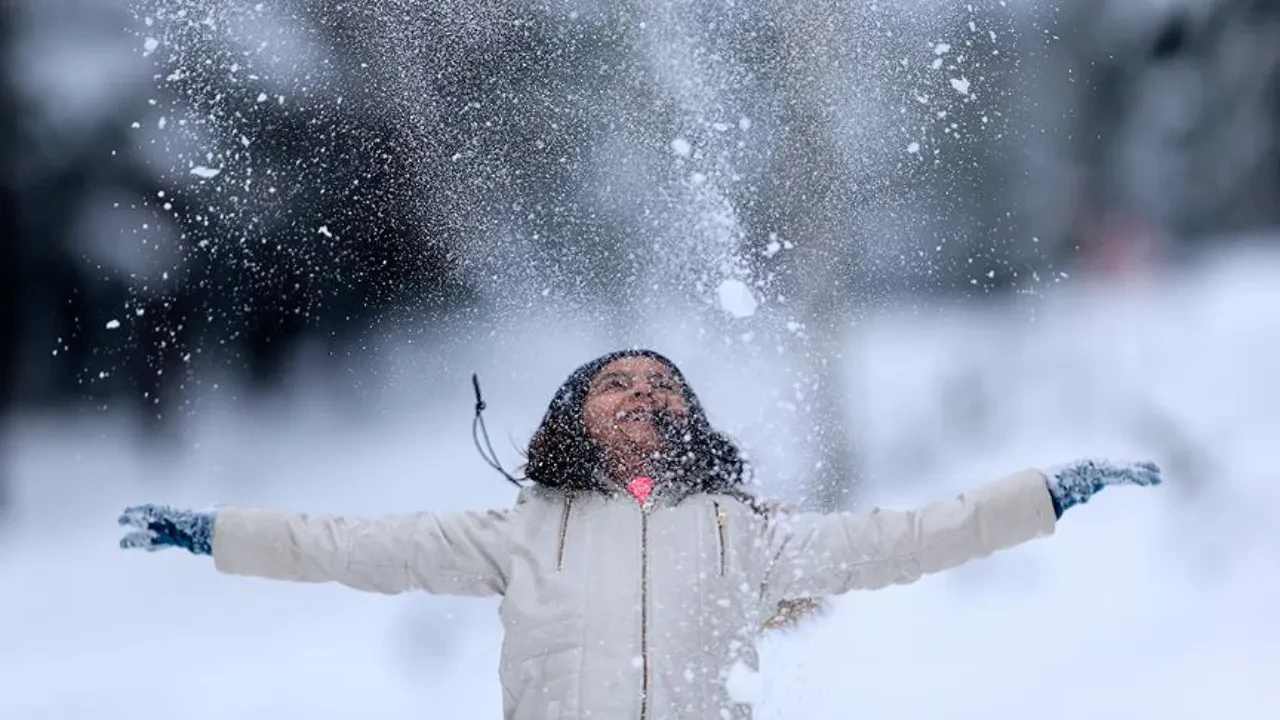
{"x": 636, "y": 415}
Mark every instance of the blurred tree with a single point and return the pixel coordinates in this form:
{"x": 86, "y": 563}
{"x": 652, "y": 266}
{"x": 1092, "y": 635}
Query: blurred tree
{"x": 145, "y": 275}
{"x": 314, "y": 225}
{"x": 888, "y": 176}
{"x": 10, "y": 229}
{"x": 1163, "y": 126}
{"x": 1231, "y": 148}
{"x": 809, "y": 203}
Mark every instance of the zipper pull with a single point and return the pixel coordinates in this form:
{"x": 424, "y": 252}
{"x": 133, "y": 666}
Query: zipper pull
{"x": 722, "y": 541}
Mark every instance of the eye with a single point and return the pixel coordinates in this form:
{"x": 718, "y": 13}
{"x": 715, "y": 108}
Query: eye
{"x": 663, "y": 382}
{"x": 613, "y": 382}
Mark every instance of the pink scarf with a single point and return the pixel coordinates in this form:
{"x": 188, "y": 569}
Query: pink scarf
{"x": 640, "y": 488}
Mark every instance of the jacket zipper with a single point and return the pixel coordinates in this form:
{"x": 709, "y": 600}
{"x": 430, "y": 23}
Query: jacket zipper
{"x": 644, "y": 612}
{"x": 722, "y": 521}
{"x": 564, "y": 531}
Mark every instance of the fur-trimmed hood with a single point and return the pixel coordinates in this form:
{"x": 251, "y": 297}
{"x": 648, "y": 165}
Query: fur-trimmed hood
{"x": 561, "y": 455}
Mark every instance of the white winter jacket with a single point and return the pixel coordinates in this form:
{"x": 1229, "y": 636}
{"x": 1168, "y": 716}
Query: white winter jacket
{"x": 612, "y": 610}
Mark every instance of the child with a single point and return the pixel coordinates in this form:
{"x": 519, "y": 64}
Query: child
{"x": 636, "y": 569}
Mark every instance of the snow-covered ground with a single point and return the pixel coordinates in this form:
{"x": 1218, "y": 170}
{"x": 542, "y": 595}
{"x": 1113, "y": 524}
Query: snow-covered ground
{"x": 1147, "y": 603}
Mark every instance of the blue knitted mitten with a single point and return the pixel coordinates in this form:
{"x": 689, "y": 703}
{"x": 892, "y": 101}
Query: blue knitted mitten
{"x": 1074, "y": 483}
{"x": 160, "y": 527}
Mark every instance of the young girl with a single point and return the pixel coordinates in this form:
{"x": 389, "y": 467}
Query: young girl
{"x": 636, "y": 569}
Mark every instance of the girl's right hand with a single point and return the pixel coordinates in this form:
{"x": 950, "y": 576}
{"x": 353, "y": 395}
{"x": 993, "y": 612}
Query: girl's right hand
{"x": 160, "y": 527}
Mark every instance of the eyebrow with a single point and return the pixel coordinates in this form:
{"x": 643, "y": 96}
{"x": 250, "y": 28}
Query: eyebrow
{"x": 605, "y": 376}
{"x": 668, "y": 376}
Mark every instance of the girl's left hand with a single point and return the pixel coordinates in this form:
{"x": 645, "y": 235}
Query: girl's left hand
{"x": 1074, "y": 483}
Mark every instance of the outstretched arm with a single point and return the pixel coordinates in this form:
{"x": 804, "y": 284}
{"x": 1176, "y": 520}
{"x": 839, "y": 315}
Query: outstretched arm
{"x": 815, "y": 554}
{"x": 456, "y": 554}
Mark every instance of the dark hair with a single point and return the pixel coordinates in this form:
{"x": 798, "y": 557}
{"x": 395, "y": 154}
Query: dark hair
{"x": 561, "y": 455}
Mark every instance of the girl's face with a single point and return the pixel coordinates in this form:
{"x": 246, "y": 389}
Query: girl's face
{"x": 622, "y": 402}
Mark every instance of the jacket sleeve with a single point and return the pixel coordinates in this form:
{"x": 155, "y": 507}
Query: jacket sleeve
{"x": 816, "y": 554}
{"x": 452, "y": 554}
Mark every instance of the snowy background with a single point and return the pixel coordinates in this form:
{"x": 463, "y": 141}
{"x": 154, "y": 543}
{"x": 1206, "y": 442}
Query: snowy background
{"x": 1145, "y": 604}
{"x": 253, "y": 254}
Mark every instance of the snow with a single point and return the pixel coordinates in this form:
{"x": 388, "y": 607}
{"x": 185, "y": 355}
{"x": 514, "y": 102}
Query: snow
{"x": 736, "y": 299}
{"x": 201, "y": 171}
{"x": 1146, "y": 603}
{"x": 681, "y": 147}
{"x": 745, "y": 685}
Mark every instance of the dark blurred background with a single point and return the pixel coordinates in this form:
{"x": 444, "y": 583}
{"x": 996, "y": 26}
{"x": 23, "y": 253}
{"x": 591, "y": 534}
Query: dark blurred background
{"x": 197, "y": 189}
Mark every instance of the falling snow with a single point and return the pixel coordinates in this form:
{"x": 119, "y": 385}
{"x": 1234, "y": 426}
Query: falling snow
{"x": 364, "y": 186}
{"x": 736, "y": 298}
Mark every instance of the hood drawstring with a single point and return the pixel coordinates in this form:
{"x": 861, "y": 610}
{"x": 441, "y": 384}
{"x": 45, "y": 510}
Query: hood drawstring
{"x": 478, "y": 431}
